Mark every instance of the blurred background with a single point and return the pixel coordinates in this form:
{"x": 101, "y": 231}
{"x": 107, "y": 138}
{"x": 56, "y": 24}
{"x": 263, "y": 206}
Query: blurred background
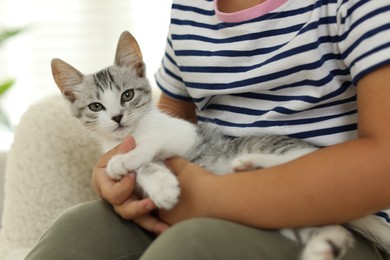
{"x": 81, "y": 32}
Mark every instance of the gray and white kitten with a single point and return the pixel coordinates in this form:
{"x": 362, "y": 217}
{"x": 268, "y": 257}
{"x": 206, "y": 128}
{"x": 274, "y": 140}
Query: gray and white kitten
{"x": 117, "y": 101}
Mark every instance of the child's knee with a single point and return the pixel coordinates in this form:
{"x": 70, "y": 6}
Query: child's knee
{"x": 191, "y": 239}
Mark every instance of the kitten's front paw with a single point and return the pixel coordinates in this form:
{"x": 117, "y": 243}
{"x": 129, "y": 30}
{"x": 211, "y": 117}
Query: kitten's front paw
{"x": 331, "y": 243}
{"x": 159, "y": 184}
{"x": 167, "y": 195}
{"x": 116, "y": 167}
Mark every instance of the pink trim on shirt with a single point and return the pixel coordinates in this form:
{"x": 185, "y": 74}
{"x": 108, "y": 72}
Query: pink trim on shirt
{"x": 250, "y": 13}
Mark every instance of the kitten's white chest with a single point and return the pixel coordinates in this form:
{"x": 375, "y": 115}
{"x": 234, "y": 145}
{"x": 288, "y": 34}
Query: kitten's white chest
{"x": 158, "y": 137}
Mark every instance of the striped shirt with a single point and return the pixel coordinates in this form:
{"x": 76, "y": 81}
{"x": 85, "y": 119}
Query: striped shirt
{"x": 282, "y": 67}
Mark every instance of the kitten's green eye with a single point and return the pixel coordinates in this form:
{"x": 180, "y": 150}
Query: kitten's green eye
{"x": 96, "y": 107}
{"x": 127, "y": 96}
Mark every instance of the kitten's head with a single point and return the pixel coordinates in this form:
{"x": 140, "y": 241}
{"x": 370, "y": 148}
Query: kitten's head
{"x": 111, "y": 101}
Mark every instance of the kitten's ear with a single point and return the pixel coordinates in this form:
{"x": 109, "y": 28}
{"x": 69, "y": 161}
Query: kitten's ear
{"x": 128, "y": 54}
{"x": 66, "y": 78}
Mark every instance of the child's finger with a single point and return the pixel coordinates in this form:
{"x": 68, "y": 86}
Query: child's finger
{"x": 117, "y": 192}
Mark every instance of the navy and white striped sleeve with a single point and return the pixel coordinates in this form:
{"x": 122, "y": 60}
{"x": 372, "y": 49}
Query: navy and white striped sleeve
{"x": 168, "y": 77}
{"x": 364, "y": 32}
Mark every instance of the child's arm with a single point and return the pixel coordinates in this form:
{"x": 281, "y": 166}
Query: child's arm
{"x": 332, "y": 185}
{"x": 177, "y": 108}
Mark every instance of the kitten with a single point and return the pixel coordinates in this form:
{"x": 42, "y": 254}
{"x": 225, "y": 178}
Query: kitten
{"x": 116, "y": 102}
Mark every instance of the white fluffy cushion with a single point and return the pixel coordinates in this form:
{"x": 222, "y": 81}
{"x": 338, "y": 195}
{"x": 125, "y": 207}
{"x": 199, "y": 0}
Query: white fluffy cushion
{"x": 48, "y": 170}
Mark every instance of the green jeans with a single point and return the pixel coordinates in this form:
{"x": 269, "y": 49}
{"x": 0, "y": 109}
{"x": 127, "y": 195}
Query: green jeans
{"x": 93, "y": 231}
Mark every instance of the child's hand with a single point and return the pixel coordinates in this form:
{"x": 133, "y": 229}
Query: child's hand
{"x": 196, "y": 195}
{"x": 114, "y": 191}
{"x": 120, "y": 193}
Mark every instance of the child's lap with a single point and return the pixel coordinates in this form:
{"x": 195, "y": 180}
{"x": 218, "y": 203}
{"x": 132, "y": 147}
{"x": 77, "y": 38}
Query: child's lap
{"x": 93, "y": 231}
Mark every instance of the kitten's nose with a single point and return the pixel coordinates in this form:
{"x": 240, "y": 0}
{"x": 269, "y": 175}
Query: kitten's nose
{"x": 117, "y": 118}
